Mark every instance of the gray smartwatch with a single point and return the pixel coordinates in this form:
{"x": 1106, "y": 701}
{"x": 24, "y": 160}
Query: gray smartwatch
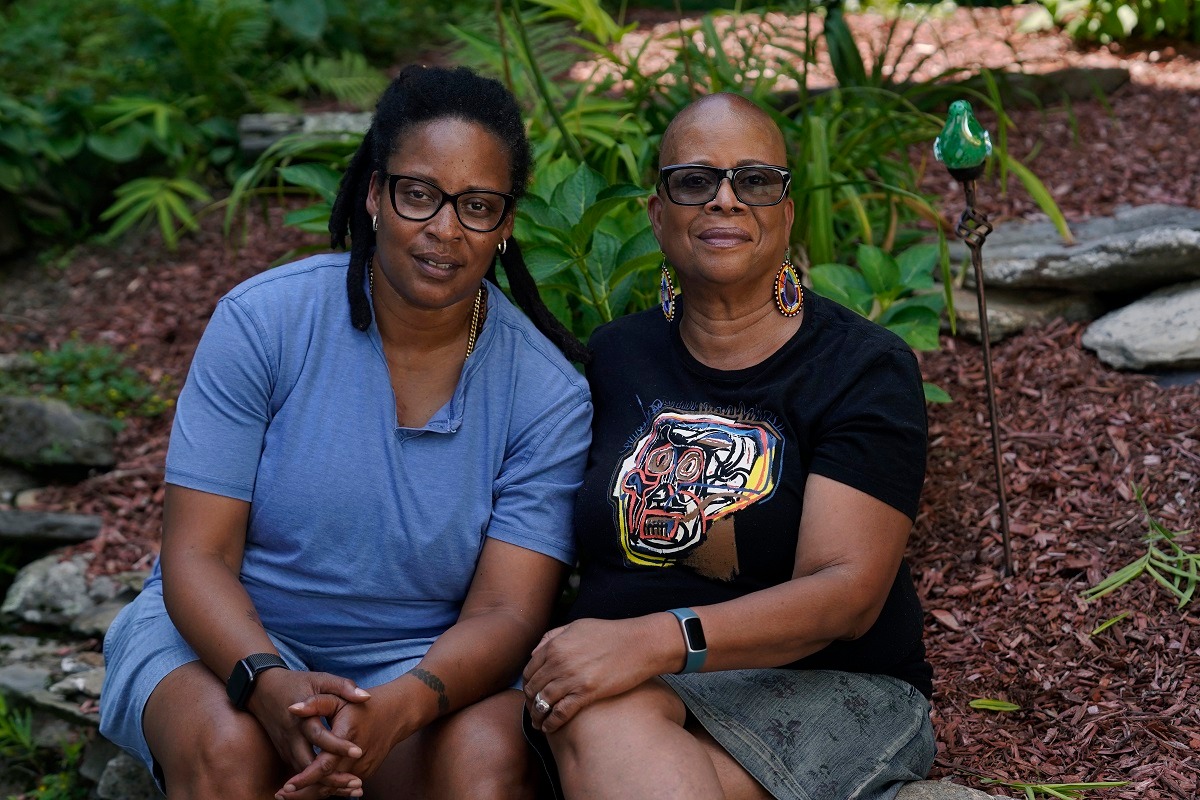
{"x": 693, "y": 639}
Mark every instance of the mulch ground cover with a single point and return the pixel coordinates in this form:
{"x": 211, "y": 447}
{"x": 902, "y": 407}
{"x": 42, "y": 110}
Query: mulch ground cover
{"x": 1121, "y": 704}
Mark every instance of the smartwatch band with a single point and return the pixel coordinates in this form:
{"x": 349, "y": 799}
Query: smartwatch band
{"x": 245, "y": 674}
{"x": 693, "y": 639}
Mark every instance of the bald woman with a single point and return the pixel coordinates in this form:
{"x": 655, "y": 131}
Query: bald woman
{"x": 745, "y": 626}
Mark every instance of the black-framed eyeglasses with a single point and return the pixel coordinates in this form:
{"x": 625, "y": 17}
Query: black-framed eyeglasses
{"x": 417, "y": 200}
{"x": 697, "y": 184}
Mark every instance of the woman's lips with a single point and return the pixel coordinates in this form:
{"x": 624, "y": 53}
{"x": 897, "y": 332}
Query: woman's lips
{"x": 436, "y": 263}
{"x": 723, "y": 237}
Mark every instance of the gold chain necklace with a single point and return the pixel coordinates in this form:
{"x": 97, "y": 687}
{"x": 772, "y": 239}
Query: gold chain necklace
{"x": 479, "y": 295}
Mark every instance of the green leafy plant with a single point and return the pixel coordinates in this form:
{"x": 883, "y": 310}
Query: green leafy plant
{"x": 1175, "y": 569}
{"x": 898, "y": 293}
{"x": 1113, "y": 21}
{"x": 588, "y": 244}
{"x": 52, "y": 775}
{"x": 92, "y": 377}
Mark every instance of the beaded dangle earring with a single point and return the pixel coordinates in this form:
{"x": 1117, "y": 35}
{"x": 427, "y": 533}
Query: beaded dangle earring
{"x": 666, "y": 293}
{"x": 789, "y": 297}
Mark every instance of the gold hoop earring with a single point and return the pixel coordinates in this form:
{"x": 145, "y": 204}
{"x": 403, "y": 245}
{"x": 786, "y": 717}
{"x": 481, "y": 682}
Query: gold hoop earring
{"x": 502, "y": 247}
{"x": 789, "y": 295}
{"x": 375, "y": 222}
{"x": 666, "y": 293}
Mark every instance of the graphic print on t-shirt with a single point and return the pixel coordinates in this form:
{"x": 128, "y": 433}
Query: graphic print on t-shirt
{"x": 680, "y": 482}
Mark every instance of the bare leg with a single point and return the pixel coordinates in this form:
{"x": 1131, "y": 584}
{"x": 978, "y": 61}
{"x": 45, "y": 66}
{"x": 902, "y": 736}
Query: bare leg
{"x": 736, "y": 783}
{"x": 476, "y": 753}
{"x": 206, "y": 748}
{"x": 634, "y": 745}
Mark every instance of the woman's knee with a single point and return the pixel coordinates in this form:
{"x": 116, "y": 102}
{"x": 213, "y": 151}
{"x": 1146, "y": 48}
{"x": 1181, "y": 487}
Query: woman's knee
{"x": 479, "y": 752}
{"x": 204, "y": 747}
{"x": 643, "y": 708}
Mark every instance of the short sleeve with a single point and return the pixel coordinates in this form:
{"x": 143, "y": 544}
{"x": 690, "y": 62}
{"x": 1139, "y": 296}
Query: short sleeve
{"x": 874, "y": 439}
{"x": 535, "y": 490}
{"x": 223, "y": 411}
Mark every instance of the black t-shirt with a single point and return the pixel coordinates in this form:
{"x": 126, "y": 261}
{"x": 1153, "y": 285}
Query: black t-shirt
{"x": 695, "y": 481}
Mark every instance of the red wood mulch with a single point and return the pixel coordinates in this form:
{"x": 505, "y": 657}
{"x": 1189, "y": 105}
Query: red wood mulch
{"x": 1119, "y": 705}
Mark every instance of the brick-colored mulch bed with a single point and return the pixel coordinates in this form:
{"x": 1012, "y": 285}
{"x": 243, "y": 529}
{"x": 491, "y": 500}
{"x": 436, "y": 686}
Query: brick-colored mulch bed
{"x": 1123, "y": 704}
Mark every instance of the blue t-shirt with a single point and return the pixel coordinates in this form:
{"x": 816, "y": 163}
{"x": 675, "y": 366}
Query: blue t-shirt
{"x": 361, "y": 530}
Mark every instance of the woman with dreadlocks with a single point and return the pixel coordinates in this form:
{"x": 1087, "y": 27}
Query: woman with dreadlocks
{"x": 369, "y": 491}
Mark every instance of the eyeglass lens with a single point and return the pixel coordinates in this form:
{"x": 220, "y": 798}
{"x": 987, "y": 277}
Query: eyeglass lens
{"x": 755, "y": 186}
{"x": 418, "y": 200}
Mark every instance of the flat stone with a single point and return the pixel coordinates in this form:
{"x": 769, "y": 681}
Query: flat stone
{"x": 46, "y": 527}
{"x": 96, "y": 621}
{"x": 941, "y": 790}
{"x": 50, "y": 591}
{"x": 124, "y": 778}
{"x": 1160, "y": 330}
{"x": 23, "y": 679}
{"x": 1011, "y": 311}
{"x": 13, "y": 481}
{"x": 80, "y": 685}
{"x": 96, "y": 755}
{"x": 257, "y": 132}
{"x": 1141, "y": 247}
{"x": 42, "y": 432}
{"x": 16, "y": 362}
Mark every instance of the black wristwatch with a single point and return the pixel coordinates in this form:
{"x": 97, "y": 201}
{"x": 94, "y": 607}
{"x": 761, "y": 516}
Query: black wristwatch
{"x": 241, "y": 681}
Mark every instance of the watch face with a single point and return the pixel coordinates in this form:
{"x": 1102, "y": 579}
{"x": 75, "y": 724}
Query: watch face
{"x": 695, "y": 634}
{"x": 238, "y": 687}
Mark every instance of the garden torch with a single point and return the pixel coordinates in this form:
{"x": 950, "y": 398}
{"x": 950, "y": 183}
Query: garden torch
{"x": 964, "y": 146}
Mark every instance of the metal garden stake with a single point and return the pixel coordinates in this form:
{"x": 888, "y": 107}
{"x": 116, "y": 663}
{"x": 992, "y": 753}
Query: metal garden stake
{"x": 964, "y": 146}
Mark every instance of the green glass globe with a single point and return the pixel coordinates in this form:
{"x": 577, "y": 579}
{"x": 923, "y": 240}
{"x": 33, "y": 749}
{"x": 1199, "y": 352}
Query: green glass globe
{"x": 963, "y": 144}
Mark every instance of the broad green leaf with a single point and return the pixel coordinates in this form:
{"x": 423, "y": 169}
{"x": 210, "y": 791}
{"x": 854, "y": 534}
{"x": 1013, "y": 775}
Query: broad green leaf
{"x": 310, "y": 219}
{"x": 647, "y": 262}
{"x": 934, "y": 302}
{"x": 880, "y": 271}
{"x": 119, "y": 146}
{"x": 544, "y": 215}
{"x": 988, "y": 704}
{"x": 550, "y": 175}
{"x": 640, "y": 244}
{"x": 318, "y": 177}
{"x": 917, "y": 326}
{"x": 935, "y": 393}
{"x": 843, "y": 285}
{"x": 916, "y": 266}
{"x": 546, "y": 260}
{"x": 607, "y": 200}
{"x": 573, "y": 196}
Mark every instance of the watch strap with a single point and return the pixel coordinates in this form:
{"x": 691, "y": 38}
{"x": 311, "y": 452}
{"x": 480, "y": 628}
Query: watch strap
{"x": 245, "y": 674}
{"x": 693, "y": 639}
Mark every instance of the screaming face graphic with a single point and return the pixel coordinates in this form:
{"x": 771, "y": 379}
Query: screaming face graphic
{"x": 687, "y": 472}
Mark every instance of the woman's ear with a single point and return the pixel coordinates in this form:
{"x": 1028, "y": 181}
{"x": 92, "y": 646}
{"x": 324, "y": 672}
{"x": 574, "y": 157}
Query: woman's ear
{"x": 654, "y": 208}
{"x": 373, "y": 192}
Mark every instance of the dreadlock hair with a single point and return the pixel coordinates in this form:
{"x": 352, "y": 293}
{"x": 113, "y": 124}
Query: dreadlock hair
{"x": 419, "y": 95}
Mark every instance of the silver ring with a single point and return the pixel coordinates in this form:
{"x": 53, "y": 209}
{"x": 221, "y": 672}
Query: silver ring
{"x": 540, "y": 705}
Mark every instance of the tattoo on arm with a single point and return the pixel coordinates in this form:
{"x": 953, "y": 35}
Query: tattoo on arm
{"x": 435, "y": 683}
